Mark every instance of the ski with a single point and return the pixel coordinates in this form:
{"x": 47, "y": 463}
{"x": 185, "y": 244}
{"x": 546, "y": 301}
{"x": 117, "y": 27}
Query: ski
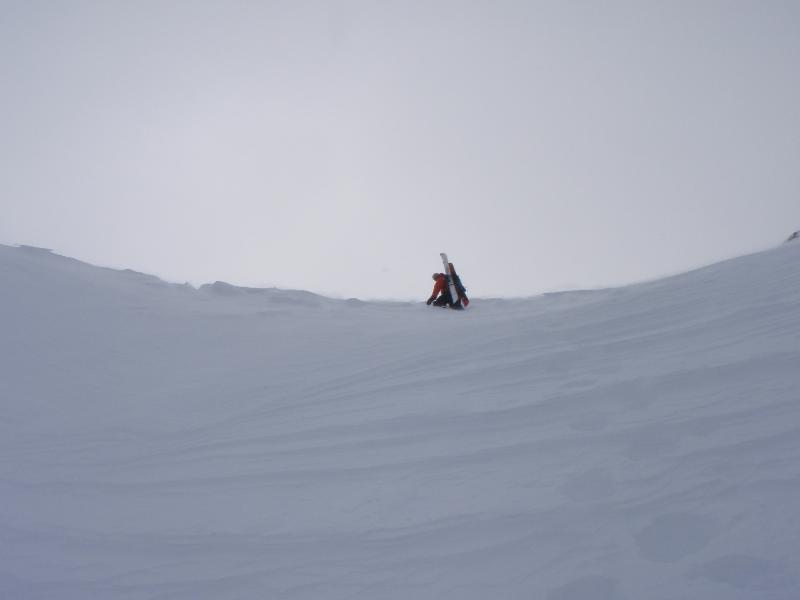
{"x": 450, "y": 279}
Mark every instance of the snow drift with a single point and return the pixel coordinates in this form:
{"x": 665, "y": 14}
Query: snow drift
{"x": 160, "y": 441}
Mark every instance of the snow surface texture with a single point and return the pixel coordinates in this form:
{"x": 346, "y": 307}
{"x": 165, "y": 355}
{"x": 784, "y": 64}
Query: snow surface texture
{"x": 158, "y": 441}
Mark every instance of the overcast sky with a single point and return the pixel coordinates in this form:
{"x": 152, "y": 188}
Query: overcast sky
{"x": 340, "y": 146}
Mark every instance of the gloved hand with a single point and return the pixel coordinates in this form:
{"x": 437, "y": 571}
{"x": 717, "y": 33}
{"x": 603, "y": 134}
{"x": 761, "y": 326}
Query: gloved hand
{"x": 430, "y": 301}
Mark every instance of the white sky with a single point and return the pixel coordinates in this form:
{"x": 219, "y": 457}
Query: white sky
{"x": 340, "y": 146}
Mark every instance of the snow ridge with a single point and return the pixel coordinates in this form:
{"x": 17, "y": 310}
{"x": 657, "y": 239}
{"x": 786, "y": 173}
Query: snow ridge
{"x": 161, "y": 441}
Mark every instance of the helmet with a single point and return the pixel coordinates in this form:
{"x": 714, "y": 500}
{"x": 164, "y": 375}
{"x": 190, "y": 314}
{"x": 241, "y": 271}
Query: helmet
{"x": 436, "y": 275}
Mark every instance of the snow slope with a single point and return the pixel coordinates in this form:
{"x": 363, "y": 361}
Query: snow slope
{"x": 158, "y": 441}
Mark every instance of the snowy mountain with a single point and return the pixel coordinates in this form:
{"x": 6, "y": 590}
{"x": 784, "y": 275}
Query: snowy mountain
{"x": 163, "y": 442}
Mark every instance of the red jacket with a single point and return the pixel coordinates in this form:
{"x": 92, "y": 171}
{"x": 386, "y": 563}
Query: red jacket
{"x": 440, "y": 286}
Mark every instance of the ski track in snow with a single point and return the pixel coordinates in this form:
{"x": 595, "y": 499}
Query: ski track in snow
{"x": 164, "y": 442}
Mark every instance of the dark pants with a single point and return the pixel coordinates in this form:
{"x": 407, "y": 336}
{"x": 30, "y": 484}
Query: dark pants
{"x": 447, "y": 300}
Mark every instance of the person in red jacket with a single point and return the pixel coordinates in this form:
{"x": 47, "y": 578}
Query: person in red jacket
{"x": 441, "y": 293}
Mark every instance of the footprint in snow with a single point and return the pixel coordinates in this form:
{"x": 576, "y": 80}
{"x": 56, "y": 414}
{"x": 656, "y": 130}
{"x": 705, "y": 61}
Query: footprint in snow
{"x": 671, "y": 537}
{"x": 591, "y": 486}
{"x": 590, "y": 422}
{"x": 591, "y": 587}
{"x": 751, "y": 573}
{"x": 647, "y": 444}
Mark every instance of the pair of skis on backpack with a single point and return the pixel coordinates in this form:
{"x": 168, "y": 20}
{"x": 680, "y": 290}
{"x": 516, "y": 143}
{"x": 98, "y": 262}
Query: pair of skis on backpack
{"x": 458, "y": 293}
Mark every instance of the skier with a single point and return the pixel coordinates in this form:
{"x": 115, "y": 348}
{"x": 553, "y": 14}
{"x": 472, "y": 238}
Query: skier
{"x": 441, "y": 293}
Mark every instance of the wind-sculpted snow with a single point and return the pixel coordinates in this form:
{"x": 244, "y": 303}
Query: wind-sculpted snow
{"x": 163, "y": 442}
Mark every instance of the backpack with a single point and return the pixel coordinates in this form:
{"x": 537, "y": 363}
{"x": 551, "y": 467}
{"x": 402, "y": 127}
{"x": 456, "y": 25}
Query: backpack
{"x": 460, "y": 289}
